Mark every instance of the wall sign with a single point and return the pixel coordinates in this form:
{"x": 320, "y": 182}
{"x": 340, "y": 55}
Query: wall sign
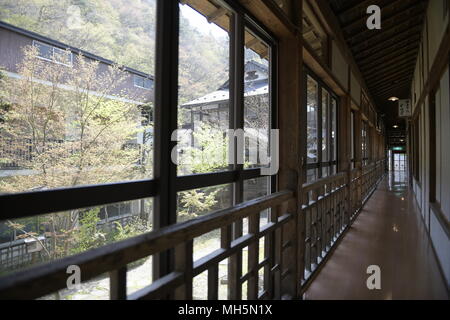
{"x": 404, "y": 108}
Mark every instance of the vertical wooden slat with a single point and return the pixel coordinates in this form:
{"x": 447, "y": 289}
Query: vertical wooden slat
{"x": 320, "y": 223}
{"x": 268, "y": 253}
{"x": 234, "y": 276}
{"x": 118, "y": 284}
{"x": 213, "y": 282}
{"x": 278, "y": 255}
{"x": 225, "y": 237}
{"x": 253, "y": 258}
{"x": 184, "y": 263}
{"x": 314, "y": 228}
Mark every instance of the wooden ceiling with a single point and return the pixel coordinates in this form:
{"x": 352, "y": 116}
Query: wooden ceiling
{"x": 385, "y": 57}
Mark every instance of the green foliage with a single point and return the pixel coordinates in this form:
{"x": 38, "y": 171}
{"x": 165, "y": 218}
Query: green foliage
{"x": 132, "y": 228}
{"x": 91, "y": 131}
{"x": 196, "y": 202}
{"x": 87, "y": 235}
{"x": 124, "y": 31}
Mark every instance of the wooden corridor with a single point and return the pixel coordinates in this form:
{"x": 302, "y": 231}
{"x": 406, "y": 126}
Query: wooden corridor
{"x": 389, "y": 233}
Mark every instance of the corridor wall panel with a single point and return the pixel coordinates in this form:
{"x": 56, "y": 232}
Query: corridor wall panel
{"x": 339, "y": 66}
{"x": 445, "y": 146}
{"x": 438, "y": 146}
{"x": 355, "y": 89}
{"x": 441, "y": 244}
{"x": 437, "y": 21}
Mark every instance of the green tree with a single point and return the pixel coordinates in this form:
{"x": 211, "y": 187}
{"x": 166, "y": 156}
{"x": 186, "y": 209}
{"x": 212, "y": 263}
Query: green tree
{"x": 76, "y": 127}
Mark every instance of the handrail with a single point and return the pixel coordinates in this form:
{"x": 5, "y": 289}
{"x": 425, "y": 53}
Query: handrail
{"x": 47, "y": 278}
{"x": 296, "y": 242}
{"x": 323, "y": 181}
{"x": 329, "y": 206}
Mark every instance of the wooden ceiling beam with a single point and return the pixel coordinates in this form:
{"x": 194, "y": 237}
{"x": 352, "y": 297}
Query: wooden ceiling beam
{"x": 412, "y": 55}
{"x": 403, "y": 18}
{"x": 334, "y": 30}
{"x": 307, "y": 29}
{"x": 398, "y": 40}
{"x": 382, "y": 34}
{"x": 392, "y": 52}
{"x": 213, "y": 17}
{"x": 387, "y": 71}
{"x": 403, "y": 81}
{"x": 394, "y": 80}
{"x": 390, "y": 81}
{"x": 362, "y": 21}
{"x": 394, "y": 56}
{"x": 378, "y": 87}
{"x": 387, "y": 90}
{"x": 351, "y": 8}
{"x": 392, "y": 77}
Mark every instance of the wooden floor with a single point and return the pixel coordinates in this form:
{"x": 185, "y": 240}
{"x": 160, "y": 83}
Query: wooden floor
{"x": 388, "y": 233}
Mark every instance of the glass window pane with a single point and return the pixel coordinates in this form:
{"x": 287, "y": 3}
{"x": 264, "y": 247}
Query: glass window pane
{"x": 255, "y": 188}
{"x": 91, "y": 130}
{"x": 203, "y": 96}
{"x": 312, "y": 120}
{"x": 199, "y": 202}
{"x": 43, "y": 50}
{"x": 62, "y": 56}
{"x": 256, "y": 101}
{"x": 26, "y": 242}
{"x": 311, "y": 175}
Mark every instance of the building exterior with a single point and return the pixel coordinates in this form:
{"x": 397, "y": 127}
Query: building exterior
{"x": 134, "y": 88}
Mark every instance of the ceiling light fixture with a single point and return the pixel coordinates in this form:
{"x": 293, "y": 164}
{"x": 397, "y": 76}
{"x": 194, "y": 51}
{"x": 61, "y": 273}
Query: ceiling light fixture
{"x": 393, "y": 99}
{"x": 395, "y": 126}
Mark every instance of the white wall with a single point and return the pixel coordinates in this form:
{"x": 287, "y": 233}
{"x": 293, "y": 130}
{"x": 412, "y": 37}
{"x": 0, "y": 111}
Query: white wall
{"x": 435, "y": 27}
{"x": 444, "y": 145}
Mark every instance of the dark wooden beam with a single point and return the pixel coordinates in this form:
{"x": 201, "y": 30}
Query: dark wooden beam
{"x": 353, "y": 7}
{"x": 334, "y": 30}
{"x": 405, "y": 25}
{"x": 397, "y": 41}
{"x": 217, "y": 14}
{"x": 383, "y": 71}
{"x": 383, "y": 83}
{"x": 391, "y": 53}
{"x": 402, "y": 18}
{"x": 393, "y": 4}
{"x": 380, "y": 64}
{"x": 394, "y": 59}
{"x": 378, "y": 87}
{"x": 385, "y": 92}
{"x": 393, "y": 77}
{"x": 391, "y": 90}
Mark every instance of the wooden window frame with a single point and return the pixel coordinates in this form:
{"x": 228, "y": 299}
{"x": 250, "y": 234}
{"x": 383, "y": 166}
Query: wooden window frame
{"x": 319, "y": 165}
{"x": 165, "y": 185}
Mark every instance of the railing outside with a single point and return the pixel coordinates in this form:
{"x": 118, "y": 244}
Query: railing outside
{"x": 325, "y": 211}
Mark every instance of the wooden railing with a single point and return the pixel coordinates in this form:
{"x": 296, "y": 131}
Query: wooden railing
{"x": 329, "y": 206}
{"x": 295, "y": 244}
{"x": 325, "y": 215}
{"x": 48, "y": 278}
